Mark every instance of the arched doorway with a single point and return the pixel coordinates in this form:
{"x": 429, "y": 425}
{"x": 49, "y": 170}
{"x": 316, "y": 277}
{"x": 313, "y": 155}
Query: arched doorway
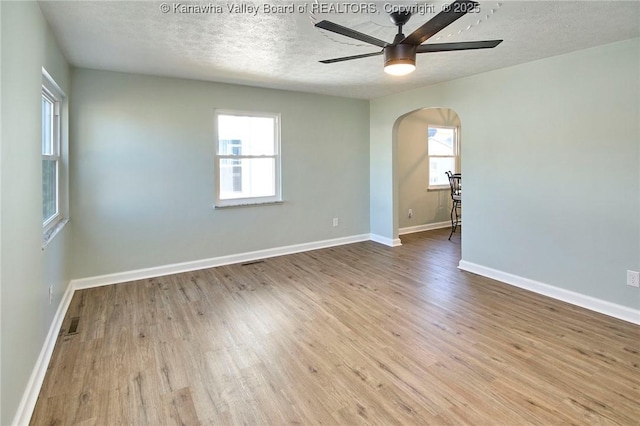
{"x": 422, "y": 198}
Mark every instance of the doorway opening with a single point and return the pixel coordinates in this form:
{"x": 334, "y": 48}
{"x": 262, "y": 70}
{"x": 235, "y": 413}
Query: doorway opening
{"x": 427, "y": 145}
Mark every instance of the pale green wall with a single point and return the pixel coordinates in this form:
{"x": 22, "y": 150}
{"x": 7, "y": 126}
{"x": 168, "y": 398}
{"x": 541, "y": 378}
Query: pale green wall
{"x": 429, "y": 206}
{"x": 142, "y": 187}
{"x": 551, "y": 162}
{"x": 26, "y": 271}
{"x": 1, "y": 117}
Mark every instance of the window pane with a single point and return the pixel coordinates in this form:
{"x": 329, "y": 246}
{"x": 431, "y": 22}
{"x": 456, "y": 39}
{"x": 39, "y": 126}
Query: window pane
{"x": 230, "y": 146}
{"x": 247, "y": 177}
{"x": 47, "y": 126}
{"x": 441, "y": 141}
{"x": 437, "y": 168}
{"x": 49, "y": 189}
{"x": 239, "y": 135}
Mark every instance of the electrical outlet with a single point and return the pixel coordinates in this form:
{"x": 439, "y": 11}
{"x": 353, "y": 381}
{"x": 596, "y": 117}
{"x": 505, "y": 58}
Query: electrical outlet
{"x": 633, "y": 278}
{"x": 410, "y": 213}
{"x": 50, "y": 294}
{"x": 335, "y": 221}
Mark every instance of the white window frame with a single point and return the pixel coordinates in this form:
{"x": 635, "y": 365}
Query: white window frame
{"x": 247, "y": 201}
{"x": 455, "y": 156}
{"x": 52, "y": 95}
{"x": 60, "y": 154}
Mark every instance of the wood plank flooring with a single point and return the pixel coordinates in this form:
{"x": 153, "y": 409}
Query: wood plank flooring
{"x": 357, "y": 334}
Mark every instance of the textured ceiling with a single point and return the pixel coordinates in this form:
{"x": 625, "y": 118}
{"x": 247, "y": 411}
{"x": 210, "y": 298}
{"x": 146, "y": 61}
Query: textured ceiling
{"x": 282, "y": 50}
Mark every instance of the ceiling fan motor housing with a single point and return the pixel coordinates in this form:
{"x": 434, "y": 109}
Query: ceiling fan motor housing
{"x": 400, "y": 54}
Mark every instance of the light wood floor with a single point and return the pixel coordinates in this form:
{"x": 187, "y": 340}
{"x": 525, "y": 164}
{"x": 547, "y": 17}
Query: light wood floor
{"x": 358, "y": 334}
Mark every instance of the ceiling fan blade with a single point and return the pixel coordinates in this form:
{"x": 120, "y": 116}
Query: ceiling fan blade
{"x": 348, "y": 32}
{"x": 348, "y": 58}
{"x": 448, "y": 16}
{"x": 464, "y": 45}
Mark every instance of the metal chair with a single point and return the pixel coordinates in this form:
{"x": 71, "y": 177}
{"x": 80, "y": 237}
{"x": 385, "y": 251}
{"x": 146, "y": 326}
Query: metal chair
{"x": 455, "y": 182}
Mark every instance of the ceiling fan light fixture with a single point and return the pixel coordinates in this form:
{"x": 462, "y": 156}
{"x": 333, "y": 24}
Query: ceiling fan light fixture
{"x": 399, "y": 59}
{"x": 399, "y": 68}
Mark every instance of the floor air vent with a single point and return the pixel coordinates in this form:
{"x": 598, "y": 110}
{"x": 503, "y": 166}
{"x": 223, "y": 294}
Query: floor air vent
{"x": 73, "y": 328}
{"x": 252, "y": 263}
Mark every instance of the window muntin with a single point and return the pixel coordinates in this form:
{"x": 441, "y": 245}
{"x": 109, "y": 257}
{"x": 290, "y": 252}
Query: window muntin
{"x": 247, "y": 159}
{"x": 442, "y": 150}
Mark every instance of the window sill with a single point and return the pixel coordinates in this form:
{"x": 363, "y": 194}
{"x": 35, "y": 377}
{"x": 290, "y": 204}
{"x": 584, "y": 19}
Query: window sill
{"x": 233, "y": 206}
{"x": 53, "y": 231}
{"x": 439, "y": 188}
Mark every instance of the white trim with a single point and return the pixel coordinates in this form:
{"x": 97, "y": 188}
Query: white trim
{"x": 602, "y": 306}
{"x": 53, "y": 231}
{"x": 425, "y": 227}
{"x": 231, "y": 206}
{"x": 277, "y": 157}
{"x": 195, "y": 265}
{"x": 436, "y": 188}
{"x": 30, "y": 396}
{"x": 391, "y": 242}
{"x": 50, "y": 82}
{"x": 52, "y": 92}
{"x": 455, "y": 156}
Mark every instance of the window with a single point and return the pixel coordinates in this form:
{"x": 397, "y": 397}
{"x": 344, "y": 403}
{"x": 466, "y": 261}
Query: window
{"x": 442, "y": 149}
{"x": 247, "y": 161}
{"x": 54, "y": 148}
{"x": 50, "y": 158}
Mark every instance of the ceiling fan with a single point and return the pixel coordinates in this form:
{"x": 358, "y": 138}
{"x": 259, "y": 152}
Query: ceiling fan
{"x": 400, "y": 56}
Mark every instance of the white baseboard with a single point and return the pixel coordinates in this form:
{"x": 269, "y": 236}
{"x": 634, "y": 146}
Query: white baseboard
{"x": 176, "y": 268}
{"x": 425, "y": 227}
{"x": 391, "y": 242}
{"x": 30, "y": 396}
{"x": 607, "y": 308}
